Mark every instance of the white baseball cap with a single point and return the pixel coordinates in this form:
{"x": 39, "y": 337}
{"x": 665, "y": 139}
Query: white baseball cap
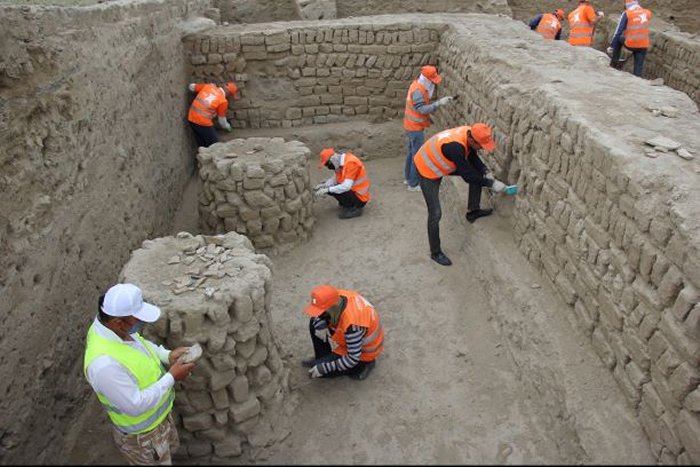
{"x": 127, "y": 300}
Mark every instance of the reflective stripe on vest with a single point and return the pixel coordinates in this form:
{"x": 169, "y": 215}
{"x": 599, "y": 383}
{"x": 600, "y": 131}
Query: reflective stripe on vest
{"x": 637, "y": 31}
{"x": 359, "y": 312}
{"x": 145, "y": 369}
{"x": 203, "y": 108}
{"x": 580, "y": 31}
{"x": 548, "y": 26}
{"x": 412, "y": 119}
{"x": 429, "y": 159}
{"x": 360, "y": 185}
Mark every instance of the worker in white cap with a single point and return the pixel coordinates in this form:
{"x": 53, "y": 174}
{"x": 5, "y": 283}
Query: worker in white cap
{"x": 128, "y": 375}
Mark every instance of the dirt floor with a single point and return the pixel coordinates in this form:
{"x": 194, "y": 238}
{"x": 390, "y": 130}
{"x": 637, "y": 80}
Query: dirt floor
{"x": 481, "y": 365}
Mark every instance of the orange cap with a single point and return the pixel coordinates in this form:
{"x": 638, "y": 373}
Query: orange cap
{"x": 431, "y": 73}
{"x": 560, "y": 14}
{"x": 326, "y": 154}
{"x": 231, "y": 88}
{"x": 482, "y": 135}
{"x": 322, "y": 298}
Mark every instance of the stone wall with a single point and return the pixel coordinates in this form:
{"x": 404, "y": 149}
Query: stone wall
{"x": 673, "y": 56}
{"x": 306, "y": 73}
{"x": 214, "y": 290}
{"x": 258, "y": 187}
{"x": 258, "y": 11}
{"x": 346, "y": 8}
{"x": 94, "y": 153}
{"x": 615, "y": 231}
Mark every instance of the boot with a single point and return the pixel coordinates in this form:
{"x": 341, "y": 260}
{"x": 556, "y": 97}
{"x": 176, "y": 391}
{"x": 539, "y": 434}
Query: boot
{"x": 349, "y": 213}
{"x": 364, "y": 373}
{"x": 477, "y": 213}
{"x": 441, "y": 258}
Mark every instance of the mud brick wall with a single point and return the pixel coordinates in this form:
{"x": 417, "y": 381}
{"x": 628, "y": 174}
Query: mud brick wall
{"x": 347, "y": 8}
{"x": 615, "y": 232}
{"x": 305, "y": 73}
{"x": 673, "y": 56}
{"x": 214, "y": 290}
{"x": 95, "y": 153}
{"x": 258, "y": 187}
{"x": 258, "y": 11}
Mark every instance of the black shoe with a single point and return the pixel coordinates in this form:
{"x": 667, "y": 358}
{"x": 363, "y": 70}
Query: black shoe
{"x": 364, "y": 373}
{"x": 308, "y": 363}
{"x": 477, "y": 213}
{"x": 441, "y": 258}
{"x": 349, "y": 213}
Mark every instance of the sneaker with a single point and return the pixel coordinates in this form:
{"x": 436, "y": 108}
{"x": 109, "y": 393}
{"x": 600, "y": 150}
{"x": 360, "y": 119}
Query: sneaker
{"x": 413, "y": 188}
{"x": 441, "y": 258}
{"x": 308, "y": 363}
{"x": 364, "y": 373}
{"x": 349, "y": 213}
{"x": 477, "y": 213}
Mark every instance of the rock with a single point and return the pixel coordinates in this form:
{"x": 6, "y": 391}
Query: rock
{"x": 669, "y": 111}
{"x": 661, "y": 142}
{"x": 657, "y": 82}
{"x": 684, "y": 154}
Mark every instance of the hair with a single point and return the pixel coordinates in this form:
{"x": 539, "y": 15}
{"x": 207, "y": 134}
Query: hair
{"x": 101, "y": 315}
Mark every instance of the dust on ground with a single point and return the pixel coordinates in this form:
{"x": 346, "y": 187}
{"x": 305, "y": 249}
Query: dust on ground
{"x": 481, "y": 365}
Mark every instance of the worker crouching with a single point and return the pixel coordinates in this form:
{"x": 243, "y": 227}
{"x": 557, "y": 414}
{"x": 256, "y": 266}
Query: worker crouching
{"x": 343, "y": 319}
{"x": 350, "y": 184}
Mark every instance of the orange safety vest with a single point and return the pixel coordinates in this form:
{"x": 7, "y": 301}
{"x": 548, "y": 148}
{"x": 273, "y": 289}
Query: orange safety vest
{"x": 354, "y": 169}
{"x": 548, "y": 26}
{"x": 210, "y": 101}
{"x": 429, "y": 159}
{"x": 412, "y": 119}
{"x": 360, "y": 312}
{"x": 637, "y": 32}
{"x": 581, "y": 30}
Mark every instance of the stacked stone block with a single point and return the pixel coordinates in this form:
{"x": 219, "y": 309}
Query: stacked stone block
{"x": 293, "y": 76}
{"x": 347, "y": 8}
{"x": 214, "y": 290}
{"x": 616, "y": 233}
{"x": 258, "y": 187}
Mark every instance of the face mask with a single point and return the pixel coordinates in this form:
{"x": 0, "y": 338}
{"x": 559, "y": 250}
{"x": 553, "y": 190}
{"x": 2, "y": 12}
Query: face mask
{"x": 137, "y": 327}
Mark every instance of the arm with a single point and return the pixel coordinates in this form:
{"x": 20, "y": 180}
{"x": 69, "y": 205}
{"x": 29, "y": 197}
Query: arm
{"x": 619, "y": 30}
{"x": 558, "y": 36}
{"x": 471, "y": 171}
{"x": 353, "y": 342}
{"x": 420, "y": 105}
{"x": 352, "y": 174}
{"x": 112, "y": 380}
{"x": 221, "y": 116}
{"x": 535, "y": 21}
{"x": 161, "y": 352}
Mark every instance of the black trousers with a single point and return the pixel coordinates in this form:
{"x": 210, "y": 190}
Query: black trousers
{"x": 323, "y": 353}
{"x": 204, "y": 135}
{"x": 348, "y": 199}
{"x": 431, "y": 193}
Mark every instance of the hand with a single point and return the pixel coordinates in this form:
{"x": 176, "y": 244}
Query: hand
{"x": 444, "y": 100}
{"x": 322, "y": 334}
{"x": 600, "y": 13}
{"x": 314, "y": 372}
{"x": 227, "y": 127}
{"x": 181, "y": 370}
{"x": 609, "y": 50}
{"x": 321, "y": 191}
{"x": 320, "y": 185}
{"x": 489, "y": 175}
{"x": 176, "y": 353}
{"x": 498, "y": 186}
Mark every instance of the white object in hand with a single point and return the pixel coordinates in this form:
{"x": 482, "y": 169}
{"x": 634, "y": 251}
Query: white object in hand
{"x": 314, "y": 372}
{"x": 192, "y": 354}
{"x": 498, "y": 186}
{"x": 444, "y": 100}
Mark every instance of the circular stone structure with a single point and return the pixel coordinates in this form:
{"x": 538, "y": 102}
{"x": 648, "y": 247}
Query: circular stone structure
{"x": 258, "y": 187}
{"x": 214, "y": 290}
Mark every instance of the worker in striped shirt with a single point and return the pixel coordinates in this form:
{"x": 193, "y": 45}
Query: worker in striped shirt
{"x": 346, "y": 333}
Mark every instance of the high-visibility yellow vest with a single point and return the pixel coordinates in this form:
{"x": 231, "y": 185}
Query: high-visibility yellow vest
{"x": 145, "y": 369}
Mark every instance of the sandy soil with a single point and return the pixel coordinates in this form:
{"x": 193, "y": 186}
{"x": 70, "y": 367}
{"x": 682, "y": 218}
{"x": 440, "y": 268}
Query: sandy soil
{"x": 481, "y": 364}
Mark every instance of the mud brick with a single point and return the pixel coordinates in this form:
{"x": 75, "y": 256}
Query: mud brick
{"x": 245, "y": 410}
{"x": 200, "y": 421}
